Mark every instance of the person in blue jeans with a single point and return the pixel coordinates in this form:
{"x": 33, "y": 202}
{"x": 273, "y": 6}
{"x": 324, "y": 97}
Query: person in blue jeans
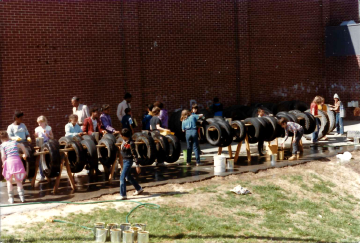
{"x": 189, "y": 127}
{"x": 339, "y": 120}
{"x": 129, "y": 155}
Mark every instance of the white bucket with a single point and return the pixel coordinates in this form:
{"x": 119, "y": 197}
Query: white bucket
{"x": 219, "y": 164}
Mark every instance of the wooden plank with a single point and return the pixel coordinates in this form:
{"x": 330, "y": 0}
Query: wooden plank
{"x": 237, "y": 153}
{"x": 57, "y": 181}
{"x": 230, "y": 151}
{"x": 112, "y": 171}
{"x": 71, "y": 177}
{"x": 219, "y": 150}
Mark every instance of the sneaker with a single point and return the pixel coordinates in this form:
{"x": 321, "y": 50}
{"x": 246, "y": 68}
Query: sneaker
{"x": 138, "y": 192}
{"x": 188, "y": 164}
{"x": 22, "y": 195}
{"x": 11, "y": 200}
{"x": 198, "y": 164}
{"x": 294, "y": 157}
{"x": 336, "y": 134}
{"x": 121, "y": 198}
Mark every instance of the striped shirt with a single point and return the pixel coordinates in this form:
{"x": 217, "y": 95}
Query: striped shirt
{"x": 291, "y": 127}
{"x": 9, "y": 148}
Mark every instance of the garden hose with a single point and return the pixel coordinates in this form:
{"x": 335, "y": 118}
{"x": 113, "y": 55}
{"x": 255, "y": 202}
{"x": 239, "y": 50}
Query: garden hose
{"x": 140, "y": 204}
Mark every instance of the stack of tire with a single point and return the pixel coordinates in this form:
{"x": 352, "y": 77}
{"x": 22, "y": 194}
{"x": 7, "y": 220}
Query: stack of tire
{"x": 221, "y": 134}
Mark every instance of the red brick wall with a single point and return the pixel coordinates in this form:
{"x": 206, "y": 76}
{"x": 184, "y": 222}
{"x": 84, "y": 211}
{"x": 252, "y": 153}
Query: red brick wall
{"x": 173, "y": 51}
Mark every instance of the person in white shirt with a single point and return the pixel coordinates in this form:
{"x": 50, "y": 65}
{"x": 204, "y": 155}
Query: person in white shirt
{"x": 82, "y": 111}
{"x": 123, "y": 105}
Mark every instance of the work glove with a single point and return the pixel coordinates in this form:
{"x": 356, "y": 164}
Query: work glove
{"x": 29, "y": 139}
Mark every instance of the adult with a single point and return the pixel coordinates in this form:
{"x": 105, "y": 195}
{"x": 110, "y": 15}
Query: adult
{"x": 189, "y": 127}
{"x": 314, "y": 112}
{"x": 123, "y": 105}
{"x": 339, "y": 119}
{"x": 217, "y": 107}
{"x": 17, "y": 131}
{"x": 106, "y": 120}
{"x": 164, "y": 117}
{"x": 81, "y": 110}
{"x": 93, "y": 123}
{"x": 155, "y": 123}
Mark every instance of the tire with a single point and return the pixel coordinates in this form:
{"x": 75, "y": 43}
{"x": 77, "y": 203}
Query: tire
{"x": 284, "y": 115}
{"x": 119, "y": 140}
{"x": 305, "y": 122}
{"x": 254, "y": 132}
{"x": 52, "y": 161}
{"x": 238, "y": 130}
{"x": 312, "y": 122}
{"x": 332, "y": 119}
{"x": 77, "y": 138}
{"x": 89, "y": 137}
{"x": 146, "y": 151}
{"x": 214, "y": 138}
{"x": 30, "y": 161}
{"x": 274, "y": 126}
{"x": 91, "y": 153}
{"x": 108, "y": 154}
{"x": 227, "y": 135}
{"x": 295, "y": 112}
{"x": 267, "y": 128}
{"x": 293, "y": 117}
{"x": 162, "y": 147}
{"x": 154, "y": 133}
{"x": 136, "y": 135}
{"x": 324, "y": 124}
{"x": 77, "y": 158}
{"x": 63, "y": 141}
{"x": 174, "y": 150}
{"x": 109, "y": 136}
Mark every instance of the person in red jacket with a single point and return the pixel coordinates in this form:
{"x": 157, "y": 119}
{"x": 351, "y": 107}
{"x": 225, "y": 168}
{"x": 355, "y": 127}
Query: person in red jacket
{"x": 93, "y": 123}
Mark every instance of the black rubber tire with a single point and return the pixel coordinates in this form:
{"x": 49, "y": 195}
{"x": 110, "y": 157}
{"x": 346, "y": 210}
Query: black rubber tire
{"x": 332, "y": 119}
{"x": 175, "y": 149}
{"x": 214, "y": 138}
{"x": 91, "y": 153}
{"x": 109, "y": 136}
{"x": 294, "y": 112}
{"x": 30, "y": 161}
{"x": 77, "y": 138}
{"x": 154, "y": 133}
{"x": 162, "y": 147}
{"x": 211, "y": 120}
{"x": 119, "y": 139}
{"x": 63, "y": 141}
{"x": 227, "y": 134}
{"x": 267, "y": 128}
{"x": 305, "y": 122}
{"x": 137, "y": 134}
{"x": 293, "y": 117}
{"x": 89, "y": 137}
{"x": 108, "y": 154}
{"x": 254, "y": 132}
{"x": 77, "y": 158}
{"x": 240, "y": 132}
{"x": 312, "y": 122}
{"x": 147, "y": 151}
{"x": 52, "y": 161}
{"x": 274, "y": 126}
{"x": 324, "y": 124}
{"x": 284, "y": 115}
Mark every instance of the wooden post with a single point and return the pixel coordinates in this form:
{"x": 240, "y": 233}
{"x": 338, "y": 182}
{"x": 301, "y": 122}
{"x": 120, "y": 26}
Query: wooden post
{"x": 230, "y": 151}
{"x": 39, "y": 143}
{"x": 248, "y": 148}
{"x": 219, "y": 150}
{"x": 237, "y": 153}
{"x": 65, "y": 161}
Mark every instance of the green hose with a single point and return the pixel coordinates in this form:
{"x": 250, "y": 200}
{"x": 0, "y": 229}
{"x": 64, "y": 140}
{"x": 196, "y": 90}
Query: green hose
{"x": 146, "y": 205}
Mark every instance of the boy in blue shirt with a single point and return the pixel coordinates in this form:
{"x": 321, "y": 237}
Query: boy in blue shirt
{"x": 127, "y": 121}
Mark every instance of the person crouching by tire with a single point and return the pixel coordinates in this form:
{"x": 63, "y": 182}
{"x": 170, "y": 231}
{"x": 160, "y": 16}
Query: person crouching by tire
{"x": 93, "y": 123}
{"x": 189, "y": 127}
{"x": 298, "y": 132}
{"x": 261, "y": 113}
{"x": 129, "y": 155}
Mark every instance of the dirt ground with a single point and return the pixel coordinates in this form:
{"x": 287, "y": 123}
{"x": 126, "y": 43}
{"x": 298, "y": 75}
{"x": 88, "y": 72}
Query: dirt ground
{"x": 345, "y": 175}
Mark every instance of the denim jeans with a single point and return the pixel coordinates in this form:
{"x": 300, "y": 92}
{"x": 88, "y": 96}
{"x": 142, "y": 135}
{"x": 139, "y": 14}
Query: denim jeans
{"x": 298, "y": 137}
{"x": 41, "y": 168}
{"x": 315, "y": 134}
{"x": 339, "y": 124}
{"x": 126, "y": 173}
{"x": 192, "y": 141}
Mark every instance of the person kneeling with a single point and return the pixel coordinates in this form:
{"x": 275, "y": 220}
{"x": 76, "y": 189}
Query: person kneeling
{"x": 129, "y": 155}
{"x": 298, "y": 132}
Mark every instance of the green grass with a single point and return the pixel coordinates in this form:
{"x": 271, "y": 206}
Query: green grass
{"x": 270, "y": 213}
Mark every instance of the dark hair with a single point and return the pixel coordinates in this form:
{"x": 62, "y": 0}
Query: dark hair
{"x": 75, "y": 98}
{"x": 150, "y": 107}
{"x": 105, "y": 107}
{"x": 216, "y": 100}
{"x": 155, "y": 111}
{"x": 282, "y": 121}
{"x": 260, "y": 109}
{"x": 126, "y": 133}
{"x": 94, "y": 109}
{"x": 127, "y": 110}
{"x": 4, "y": 135}
{"x": 73, "y": 116}
{"x": 18, "y": 114}
{"x": 159, "y": 104}
{"x": 195, "y": 106}
{"x": 127, "y": 96}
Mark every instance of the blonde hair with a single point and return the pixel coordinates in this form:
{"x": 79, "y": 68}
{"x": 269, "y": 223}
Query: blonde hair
{"x": 185, "y": 114}
{"x": 42, "y": 118}
{"x": 317, "y": 100}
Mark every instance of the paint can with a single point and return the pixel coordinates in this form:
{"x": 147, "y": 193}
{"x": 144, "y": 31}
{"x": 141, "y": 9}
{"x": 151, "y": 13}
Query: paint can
{"x": 143, "y": 237}
{"x": 101, "y": 234}
{"x": 281, "y": 154}
{"x": 356, "y": 140}
{"x": 273, "y": 158}
{"x": 125, "y": 227}
{"x": 109, "y": 227}
{"x": 115, "y": 235}
{"x": 135, "y": 230}
{"x": 185, "y": 155}
{"x": 141, "y": 225}
{"x": 128, "y": 236}
{"x": 99, "y": 225}
{"x": 230, "y": 164}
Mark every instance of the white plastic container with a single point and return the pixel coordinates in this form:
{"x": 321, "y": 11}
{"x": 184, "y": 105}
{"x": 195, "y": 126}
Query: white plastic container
{"x": 219, "y": 164}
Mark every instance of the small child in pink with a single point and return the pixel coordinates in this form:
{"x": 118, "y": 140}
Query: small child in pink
{"x": 12, "y": 165}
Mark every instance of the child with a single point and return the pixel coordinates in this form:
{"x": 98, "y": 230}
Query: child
{"x": 163, "y": 116}
{"x": 322, "y": 107}
{"x": 189, "y": 127}
{"x": 93, "y": 124}
{"x": 314, "y": 112}
{"x": 155, "y": 122}
{"x": 298, "y": 131}
{"x": 339, "y": 119}
{"x": 17, "y": 131}
{"x": 147, "y": 118}
{"x": 12, "y": 165}
{"x": 217, "y": 107}
{"x": 127, "y": 121}
{"x": 72, "y": 128}
{"x": 43, "y": 131}
{"x": 106, "y": 120}
{"x": 128, "y": 154}
{"x": 261, "y": 113}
